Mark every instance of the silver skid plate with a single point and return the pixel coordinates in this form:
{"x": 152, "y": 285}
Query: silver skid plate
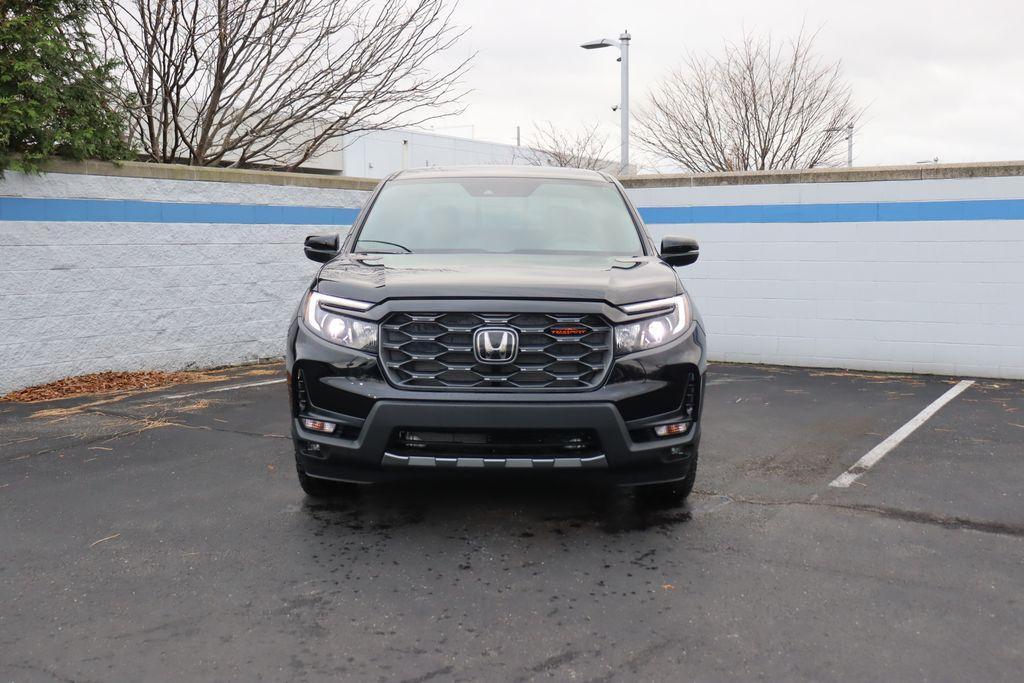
{"x": 391, "y": 459}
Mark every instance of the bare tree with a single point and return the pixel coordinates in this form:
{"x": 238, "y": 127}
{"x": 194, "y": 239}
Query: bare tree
{"x": 277, "y": 82}
{"x": 551, "y": 146}
{"x": 759, "y": 106}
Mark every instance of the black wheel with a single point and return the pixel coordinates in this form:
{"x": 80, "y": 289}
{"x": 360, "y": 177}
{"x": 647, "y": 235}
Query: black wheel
{"x": 668, "y": 494}
{"x": 323, "y": 488}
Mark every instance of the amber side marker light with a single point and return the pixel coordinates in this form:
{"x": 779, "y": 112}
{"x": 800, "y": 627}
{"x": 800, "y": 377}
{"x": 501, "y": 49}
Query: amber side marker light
{"x": 672, "y": 429}
{"x": 318, "y": 425}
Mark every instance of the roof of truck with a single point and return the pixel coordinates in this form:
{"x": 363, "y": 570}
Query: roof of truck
{"x": 494, "y": 171}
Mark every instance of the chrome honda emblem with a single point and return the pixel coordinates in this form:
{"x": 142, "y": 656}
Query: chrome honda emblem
{"x": 495, "y": 344}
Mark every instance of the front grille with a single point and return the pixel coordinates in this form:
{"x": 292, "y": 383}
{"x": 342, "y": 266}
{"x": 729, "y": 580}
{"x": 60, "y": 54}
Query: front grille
{"x": 424, "y": 350}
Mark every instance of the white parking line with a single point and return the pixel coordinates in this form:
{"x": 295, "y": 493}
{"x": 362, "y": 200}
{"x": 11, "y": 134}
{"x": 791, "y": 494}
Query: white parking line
{"x": 232, "y": 387}
{"x": 878, "y": 452}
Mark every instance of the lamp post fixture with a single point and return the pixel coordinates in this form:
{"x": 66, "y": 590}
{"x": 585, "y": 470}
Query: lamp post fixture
{"x": 849, "y": 145}
{"x": 848, "y": 128}
{"x": 623, "y": 44}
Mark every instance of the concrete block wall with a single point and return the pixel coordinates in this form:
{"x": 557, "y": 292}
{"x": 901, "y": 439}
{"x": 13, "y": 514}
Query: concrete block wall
{"x": 134, "y": 266}
{"x": 923, "y": 276}
{"x": 102, "y": 272}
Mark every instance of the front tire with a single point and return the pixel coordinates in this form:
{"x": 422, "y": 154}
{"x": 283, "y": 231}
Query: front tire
{"x": 668, "y": 494}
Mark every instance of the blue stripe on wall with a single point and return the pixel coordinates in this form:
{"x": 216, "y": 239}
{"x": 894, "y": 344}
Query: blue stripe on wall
{"x": 867, "y": 212}
{"x": 133, "y": 211}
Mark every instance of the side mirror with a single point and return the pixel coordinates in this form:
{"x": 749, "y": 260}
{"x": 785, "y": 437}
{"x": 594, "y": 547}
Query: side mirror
{"x": 321, "y": 248}
{"x": 679, "y": 251}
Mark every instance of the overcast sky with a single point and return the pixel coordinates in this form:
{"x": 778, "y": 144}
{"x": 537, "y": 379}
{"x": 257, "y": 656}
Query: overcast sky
{"x": 940, "y": 78}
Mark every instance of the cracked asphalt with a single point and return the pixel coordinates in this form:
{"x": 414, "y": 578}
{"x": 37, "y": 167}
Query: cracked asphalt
{"x": 162, "y": 535}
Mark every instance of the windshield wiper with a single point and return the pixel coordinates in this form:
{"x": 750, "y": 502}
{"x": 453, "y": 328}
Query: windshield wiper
{"x": 405, "y": 250}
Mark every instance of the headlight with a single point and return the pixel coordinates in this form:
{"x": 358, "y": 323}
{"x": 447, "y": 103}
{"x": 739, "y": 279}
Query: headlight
{"x": 651, "y": 332}
{"x": 336, "y": 328}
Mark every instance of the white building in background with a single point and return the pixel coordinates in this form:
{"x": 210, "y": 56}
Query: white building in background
{"x": 379, "y": 153}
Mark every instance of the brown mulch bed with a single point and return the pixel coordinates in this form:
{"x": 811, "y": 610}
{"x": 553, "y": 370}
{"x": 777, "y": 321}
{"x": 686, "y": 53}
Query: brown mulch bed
{"x": 101, "y": 382}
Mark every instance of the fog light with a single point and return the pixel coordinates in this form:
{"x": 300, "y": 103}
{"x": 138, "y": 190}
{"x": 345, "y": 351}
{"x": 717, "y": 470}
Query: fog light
{"x": 672, "y": 429}
{"x": 318, "y": 425}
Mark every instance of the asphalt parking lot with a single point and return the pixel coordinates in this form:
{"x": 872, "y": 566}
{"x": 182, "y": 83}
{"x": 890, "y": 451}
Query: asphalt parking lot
{"x": 163, "y": 535}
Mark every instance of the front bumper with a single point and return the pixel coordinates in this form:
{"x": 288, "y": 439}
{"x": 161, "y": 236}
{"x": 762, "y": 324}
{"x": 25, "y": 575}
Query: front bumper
{"x": 621, "y": 459}
{"x": 349, "y": 388}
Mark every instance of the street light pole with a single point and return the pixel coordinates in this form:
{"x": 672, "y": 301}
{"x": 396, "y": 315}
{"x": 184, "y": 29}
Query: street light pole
{"x": 624, "y": 103}
{"x": 849, "y": 145}
{"x": 623, "y": 44}
{"x": 848, "y": 128}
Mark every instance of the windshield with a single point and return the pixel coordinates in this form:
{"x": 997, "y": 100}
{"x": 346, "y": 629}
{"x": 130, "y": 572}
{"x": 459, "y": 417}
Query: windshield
{"x": 499, "y": 215}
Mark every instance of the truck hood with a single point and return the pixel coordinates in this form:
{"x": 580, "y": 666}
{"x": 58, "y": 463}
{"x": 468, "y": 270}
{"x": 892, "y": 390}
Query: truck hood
{"x": 379, "y": 277}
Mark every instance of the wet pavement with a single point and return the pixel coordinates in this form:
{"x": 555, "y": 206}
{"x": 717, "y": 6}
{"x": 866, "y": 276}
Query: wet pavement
{"x": 163, "y": 535}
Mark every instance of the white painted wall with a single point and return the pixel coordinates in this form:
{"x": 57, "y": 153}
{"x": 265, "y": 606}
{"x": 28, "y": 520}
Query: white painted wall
{"x": 931, "y": 296}
{"x": 942, "y": 297}
{"x": 79, "y": 297}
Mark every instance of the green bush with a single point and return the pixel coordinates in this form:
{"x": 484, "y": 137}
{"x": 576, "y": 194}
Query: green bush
{"x": 55, "y": 90}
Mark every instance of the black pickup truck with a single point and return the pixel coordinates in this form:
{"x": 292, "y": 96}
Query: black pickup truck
{"x": 497, "y": 320}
